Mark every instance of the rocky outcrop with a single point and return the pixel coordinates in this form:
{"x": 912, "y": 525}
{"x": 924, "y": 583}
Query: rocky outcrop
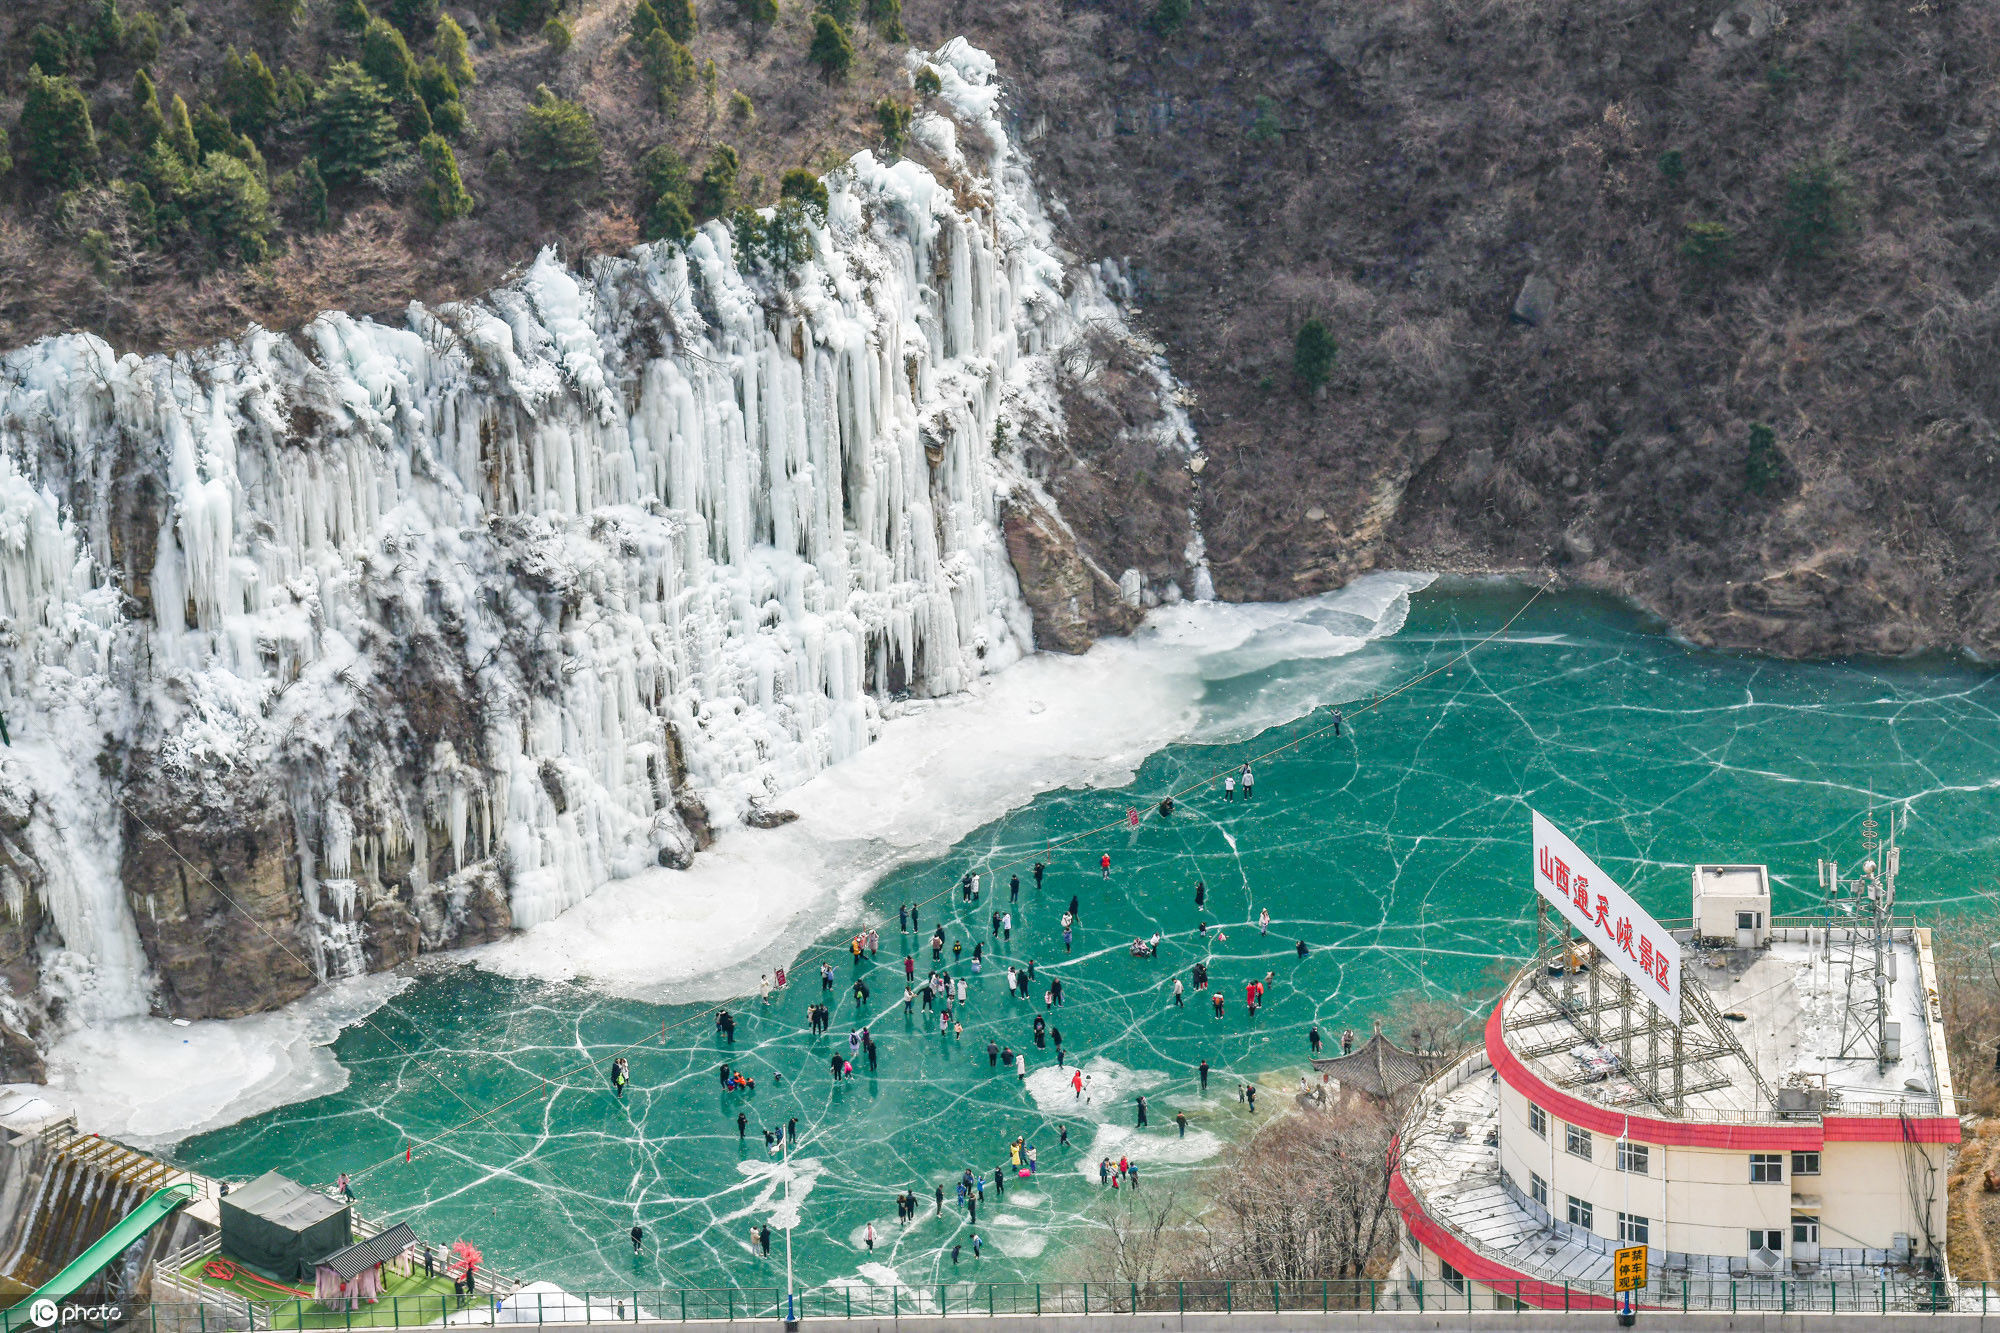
{"x": 1075, "y": 602}
{"x": 214, "y": 889}
{"x": 22, "y": 1009}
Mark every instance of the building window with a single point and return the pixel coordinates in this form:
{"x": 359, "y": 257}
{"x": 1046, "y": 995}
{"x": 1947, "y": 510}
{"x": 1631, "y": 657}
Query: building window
{"x": 1538, "y": 1189}
{"x": 1767, "y": 1168}
{"x": 1746, "y": 921}
{"x": 1634, "y": 1157}
{"x": 1538, "y": 1120}
{"x": 1452, "y": 1277}
{"x": 1805, "y": 1229}
{"x": 1767, "y": 1242}
{"x": 1580, "y": 1214}
{"x": 1576, "y": 1142}
{"x": 1805, "y": 1163}
{"x": 1634, "y": 1230}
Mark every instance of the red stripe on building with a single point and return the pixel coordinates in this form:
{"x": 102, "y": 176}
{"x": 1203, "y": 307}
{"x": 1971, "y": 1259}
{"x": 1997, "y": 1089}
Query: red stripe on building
{"x": 1682, "y": 1133}
{"x": 1436, "y": 1238}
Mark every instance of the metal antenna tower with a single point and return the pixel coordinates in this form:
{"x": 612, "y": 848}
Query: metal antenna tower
{"x": 1871, "y": 962}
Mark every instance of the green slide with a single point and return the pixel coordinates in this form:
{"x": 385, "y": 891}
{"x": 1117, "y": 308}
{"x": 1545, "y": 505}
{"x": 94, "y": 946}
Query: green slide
{"x": 95, "y": 1258}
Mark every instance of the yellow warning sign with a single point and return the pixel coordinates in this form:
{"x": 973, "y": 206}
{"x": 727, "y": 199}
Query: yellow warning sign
{"x": 1629, "y": 1269}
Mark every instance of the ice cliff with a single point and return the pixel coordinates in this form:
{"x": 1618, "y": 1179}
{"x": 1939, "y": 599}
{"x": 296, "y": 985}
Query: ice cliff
{"x": 401, "y": 637}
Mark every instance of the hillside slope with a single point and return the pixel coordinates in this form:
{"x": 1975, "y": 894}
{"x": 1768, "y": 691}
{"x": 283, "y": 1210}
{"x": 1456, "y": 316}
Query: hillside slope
{"x": 1735, "y": 213}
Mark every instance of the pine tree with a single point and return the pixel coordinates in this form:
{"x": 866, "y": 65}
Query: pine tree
{"x": 760, "y": 15}
{"x": 1763, "y": 465}
{"x": 386, "y": 57}
{"x": 415, "y": 17}
{"x": 454, "y": 52}
{"x": 147, "y": 120}
{"x": 212, "y": 133}
{"x": 661, "y": 172}
{"x": 1313, "y": 352}
{"x": 352, "y": 15}
{"x": 285, "y": 13}
{"x": 558, "y": 34}
{"x": 58, "y": 142}
{"x": 894, "y": 118}
{"x": 228, "y": 202}
{"x": 6, "y": 152}
{"x": 831, "y": 50}
{"x": 49, "y": 50}
{"x": 645, "y": 20}
{"x": 1169, "y": 16}
{"x": 312, "y": 195}
{"x": 668, "y": 220}
{"x": 180, "y": 133}
{"x": 354, "y": 133}
{"x": 806, "y": 188}
{"x": 927, "y": 82}
{"x": 887, "y": 16}
{"x": 559, "y": 137}
{"x": 716, "y": 193}
{"x": 249, "y": 93}
{"x": 669, "y": 66}
{"x": 677, "y": 16}
{"x": 442, "y": 195}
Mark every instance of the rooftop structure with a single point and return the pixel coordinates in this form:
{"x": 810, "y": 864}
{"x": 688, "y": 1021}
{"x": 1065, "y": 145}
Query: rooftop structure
{"x": 1784, "y": 1118}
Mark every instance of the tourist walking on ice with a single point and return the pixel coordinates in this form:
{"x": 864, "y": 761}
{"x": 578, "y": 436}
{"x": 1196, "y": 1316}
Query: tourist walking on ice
{"x": 868, "y": 1238}
{"x": 1264, "y": 922}
{"x": 1336, "y": 722}
{"x": 1312, "y": 1039}
{"x": 1229, "y": 789}
{"x": 1248, "y": 779}
{"x": 638, "y": 1237}
{"x": 1302, "y": 949}
{"x": 1200, "y": 893}
{"x": 1039, "y": 870}
{"x": 1142, "y": 1113}
{"x": 1013, "y": 888}
{"x": 1204, "y": 1076}
{"x": 1180, "y": 1118}
{"x": 1179, "y": 997}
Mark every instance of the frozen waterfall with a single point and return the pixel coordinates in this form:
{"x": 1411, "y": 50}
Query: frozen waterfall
{"x": 536, "y": 583}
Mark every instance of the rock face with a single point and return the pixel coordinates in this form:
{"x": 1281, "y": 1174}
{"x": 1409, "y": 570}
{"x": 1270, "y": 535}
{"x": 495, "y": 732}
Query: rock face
{"x": 327, "y": 649}
{"x": 1075, "y": 602}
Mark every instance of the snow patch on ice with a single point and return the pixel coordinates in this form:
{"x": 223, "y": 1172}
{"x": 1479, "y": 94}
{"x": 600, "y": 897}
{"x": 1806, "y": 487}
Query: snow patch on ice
{"x": 148, "y": 1083}
{"x": 1147, "y": 1150}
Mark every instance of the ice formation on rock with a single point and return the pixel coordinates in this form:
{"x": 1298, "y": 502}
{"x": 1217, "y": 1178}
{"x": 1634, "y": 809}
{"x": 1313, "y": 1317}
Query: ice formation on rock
{"x": 511, "y": 600}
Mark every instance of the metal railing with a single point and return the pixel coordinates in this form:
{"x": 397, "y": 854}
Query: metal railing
{"x": 1250, "y": 1299}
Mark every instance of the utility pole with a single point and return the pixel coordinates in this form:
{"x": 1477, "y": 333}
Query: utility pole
{"x": 791, "y": 1310}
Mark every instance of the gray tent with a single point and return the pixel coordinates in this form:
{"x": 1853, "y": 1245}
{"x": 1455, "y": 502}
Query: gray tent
{"x": 281, "y": 1227}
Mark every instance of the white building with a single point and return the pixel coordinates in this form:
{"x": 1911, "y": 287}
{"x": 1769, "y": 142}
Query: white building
{"x": 1800, "y": 1138}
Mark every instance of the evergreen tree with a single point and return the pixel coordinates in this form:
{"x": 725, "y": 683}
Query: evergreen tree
{"x": 662, "y": 172}
{"x": 352, "y": 15}
{"x": 887, "y": 16}
{"x": 180, "y": 133}
{"x": 804, "y": 187}
{"x": 442, "y": 195}
{"x": 142, "y": 39}
{"x": 49, "y": 50}
{"x": 211, "y": 133}
{"x": 386, "y": 57}
{"x": 668, "y": 220}
{"x": 106, "y": 33}
{"x": 354, "y": 133}
{"x": 1313, "y": 352}
{"x": 1819, "y": 209}
{"x": 58, "y": 142}
{"x": 147, "y": 120}
{"x": 448, "y": 118}
{"x": 831, "y": 50}
{"x": 311, "y": 187}
{"x": 166, "y": 175}
{"x": 6, "y": 152}
{"x": 518, "y": 16}
{"x": 295, "y": 92}
{"x": 1763, "y": 465}
{"x": 413, "y": 118}
{"x": 1169, "y": 16}
{"x": 927, "y": 82}
{"x": 140, "y": 213}
{"x": 669, "y": 66}
{"x": 894, "y": 118}
{"x": 677, "y": 17}
{"x": 249, "y": 92}
{"x": 231, "y": 206}
{"x": 716, "y": 193}
{"x": 558, "y": 34}
{"x": 435, "y": 84}
{"x": 760, "y": 15}
{"x": 417, "y": 18}
{"x": 558, "y": 137}
{"x": 645, "y": 20}
{"x": 454, "y": 52}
